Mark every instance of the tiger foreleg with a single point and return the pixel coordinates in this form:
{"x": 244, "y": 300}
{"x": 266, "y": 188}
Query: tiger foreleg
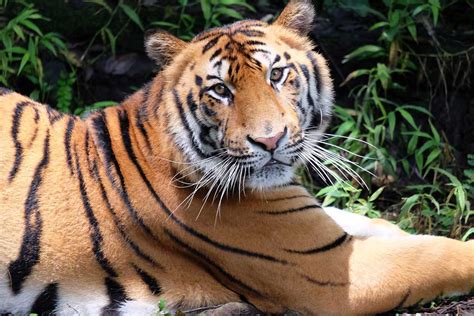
{"x": 390, "y": 272}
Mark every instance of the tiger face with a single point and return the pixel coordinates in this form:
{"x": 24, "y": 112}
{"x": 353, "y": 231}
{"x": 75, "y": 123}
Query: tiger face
{"x": 246, "y": 98}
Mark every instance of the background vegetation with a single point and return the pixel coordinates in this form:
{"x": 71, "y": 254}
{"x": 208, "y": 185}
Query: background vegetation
{"x": 402, "y": 70}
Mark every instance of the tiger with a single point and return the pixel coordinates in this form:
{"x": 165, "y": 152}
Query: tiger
{"x": 185, "y": 194}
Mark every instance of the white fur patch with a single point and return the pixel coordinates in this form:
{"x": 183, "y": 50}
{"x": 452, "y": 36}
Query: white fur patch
{"x": 21, "y": 303}
{"x": 359, "y": 225}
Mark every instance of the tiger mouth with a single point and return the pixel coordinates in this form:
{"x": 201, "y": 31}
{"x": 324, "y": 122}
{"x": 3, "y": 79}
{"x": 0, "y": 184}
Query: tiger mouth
{"x": 274, "y": 162}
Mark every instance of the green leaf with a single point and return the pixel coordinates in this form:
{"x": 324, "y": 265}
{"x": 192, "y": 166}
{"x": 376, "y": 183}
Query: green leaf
{"x": 112, "y": 40}
{"x": 19, "y": 32}
{"x": 102, "y": 104}
{"x": 345, "y": 127}
{"x": 32, "y": 26}
{"x": 355, "y": 74}
{"x": 229, "y": 12}
{"x": 169, "y": 25}
{"x": 241, "y": 3}
{"x": 391, "y": 124}
{"x": 435, "y": 133}
{"x": 411, "y": 147}
{"x": 394, "y": 18}
{"x": 131, "y": 14}
{"x": 407, "y": 116}
{"x": 417, "y": 108}
{"x": 364, "y": 52}
{"x": 383, "y": 74}
{"x": 435, "y": 6}
{"x": 49, "y": 46}
{"x": 410, "y": 202}
{"x": 466, "y": 236}
{"x": 206, "y": 9}
{"x": 102, "y": 3}
{"x": 432, "y": 156}
{"x": 376, "y": 194}
{"x": 419, "y": 161}
{"x": 378, "y": 25}
{"x": 412, "y": 29}
{"x": 24, "y": 60}
{"x": 32, "y": 51}
{"x": 420, "y": 9}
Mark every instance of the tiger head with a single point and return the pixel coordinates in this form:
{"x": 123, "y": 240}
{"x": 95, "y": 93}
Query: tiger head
{"x": 245, "y": 101}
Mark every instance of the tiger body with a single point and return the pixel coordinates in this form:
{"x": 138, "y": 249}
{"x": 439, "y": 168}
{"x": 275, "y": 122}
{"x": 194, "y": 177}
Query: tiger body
{"x": 98, "y": 216}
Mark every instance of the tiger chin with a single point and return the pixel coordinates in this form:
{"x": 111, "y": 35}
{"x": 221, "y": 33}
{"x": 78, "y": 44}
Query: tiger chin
{"x": 112, "y": 213}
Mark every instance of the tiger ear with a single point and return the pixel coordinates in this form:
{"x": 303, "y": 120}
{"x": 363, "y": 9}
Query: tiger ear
{"x": 298, "y": 15}
{"x": 162, "y": 46}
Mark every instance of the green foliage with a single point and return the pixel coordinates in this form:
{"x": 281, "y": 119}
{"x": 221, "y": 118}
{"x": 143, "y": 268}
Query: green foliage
{"x": 162, "y": 308}
{"x": 408, "y": 145}
{"x": 65, "y": 91}
{"x": 214, "y": 13}
{"x": 105, "y": 33}
{"x": 23, "y": 44}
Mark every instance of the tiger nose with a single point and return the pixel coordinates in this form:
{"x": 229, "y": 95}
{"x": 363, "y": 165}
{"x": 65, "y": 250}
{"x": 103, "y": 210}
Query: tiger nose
{"x": 268, "y": 143}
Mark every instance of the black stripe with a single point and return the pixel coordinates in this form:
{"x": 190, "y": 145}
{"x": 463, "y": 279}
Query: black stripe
{"x": 104, "y": 141}
{"x": 45, "y": 303}
{"x": 259, "y": 50}
{"x": 140, "y": 114}
{"x": 277, "y": 58}
{"x": 208, "y": 111}
{"x": 117, "y": 222}
{"x": 53, "y": 115}
{"x": 186, "y": 126}
{"x": 67, "y": 144}
{"x": 204, "y": 130}
{"x": 22, "y": 267}
{"x": 208, "y": 34}
{"x": 95, "y": 234}
{"x": 287, "y": 56}
{"x": 150, "y": 281}
{"x": 35, "y": 132}
{"x": 211, "y": 43}
{"x": 215, "y": 54}
{"x": 316, "y": 71}
{"x": 203, "y": 257}
{"x": 307, "y": 76}
{"x": 198, "y": 80}
{"x": 254, "y": 43}
{"x": 87, "y": 150}
{"x": 250, "y": 23}
{"x": 17, "y": 114}
{"x": 404, "y": 299}
{"x": 210, "y": 77}
{"x": 156, "y": 104}
{"x": 127, "y": 144}
{"x": 117, "y": 297}
{"x": 251, "y": 33}
{"x": 291, "y": 197}
{"x": 324, "y": 283}
{"x": 338, "y": 242}
{"x": 291, "y": 210}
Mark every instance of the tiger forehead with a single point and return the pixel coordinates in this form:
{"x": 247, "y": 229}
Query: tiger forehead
{"x": 238, "y": 49}
{"x": 252, "y": 28}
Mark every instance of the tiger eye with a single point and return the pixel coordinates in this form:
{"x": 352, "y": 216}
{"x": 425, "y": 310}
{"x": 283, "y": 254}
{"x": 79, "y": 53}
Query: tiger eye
{"x": 276, "y": 74}
{"x": 220, "y": 89}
